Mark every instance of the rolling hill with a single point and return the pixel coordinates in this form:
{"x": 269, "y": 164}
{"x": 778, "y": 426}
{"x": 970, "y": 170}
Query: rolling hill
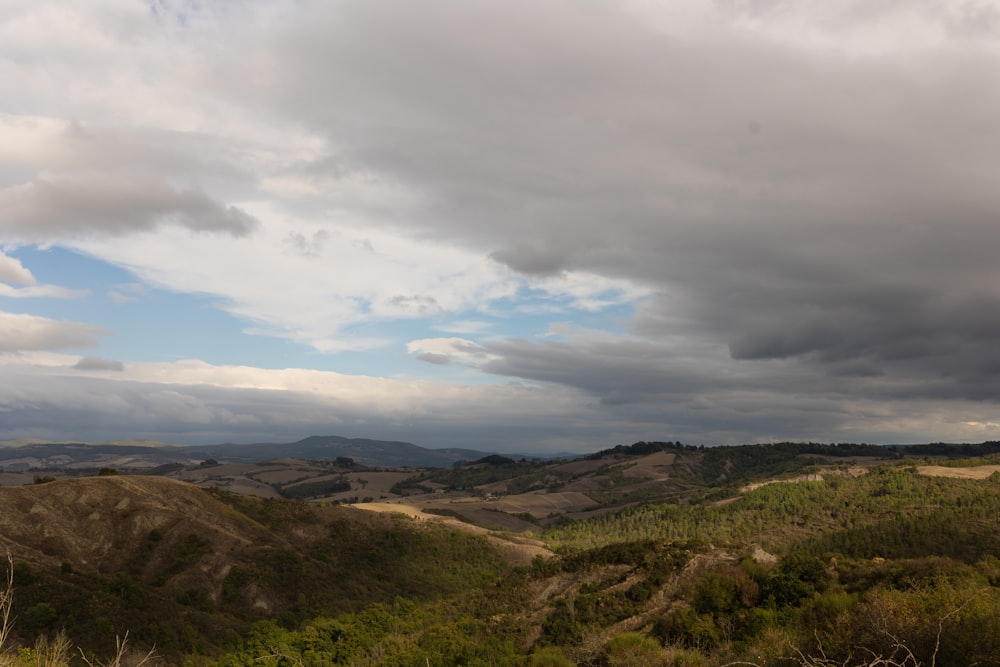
{"x": 132, "y": 455}
{"x": 653, "y": 553}
{"x": 177, "y": 565}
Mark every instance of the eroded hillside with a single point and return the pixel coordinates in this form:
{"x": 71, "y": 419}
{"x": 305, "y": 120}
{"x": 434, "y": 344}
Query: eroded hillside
{"x": 164, "y": 558}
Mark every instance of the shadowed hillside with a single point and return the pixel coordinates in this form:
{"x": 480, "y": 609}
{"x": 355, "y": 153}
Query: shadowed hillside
{"x": 657, "y": 554}
{"x": 185, "y": 568}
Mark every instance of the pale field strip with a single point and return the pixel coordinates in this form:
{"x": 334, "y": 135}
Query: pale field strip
{"x": 542, "y": 503}
{"x": 975, "y": 472}
{"x": 653, "y": 466}
{"x": 286, "y": 475}
{"x": 522, "y": 551}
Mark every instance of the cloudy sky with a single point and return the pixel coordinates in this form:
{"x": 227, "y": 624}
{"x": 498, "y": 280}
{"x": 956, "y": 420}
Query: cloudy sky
{"x": 520, "y": 226}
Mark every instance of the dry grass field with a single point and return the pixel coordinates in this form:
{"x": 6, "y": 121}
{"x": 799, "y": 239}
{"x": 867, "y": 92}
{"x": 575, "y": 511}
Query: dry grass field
{"x": 519, "y": 549}
{"x": 655, "y": 466}
{"x": 974, "y": 472}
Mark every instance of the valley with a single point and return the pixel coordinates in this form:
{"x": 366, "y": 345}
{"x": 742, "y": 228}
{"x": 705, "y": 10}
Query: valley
{"x": 647, "y": 554}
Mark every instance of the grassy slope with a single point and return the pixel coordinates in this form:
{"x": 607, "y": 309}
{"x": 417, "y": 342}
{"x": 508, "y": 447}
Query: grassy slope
{"x": 681, "y": 576}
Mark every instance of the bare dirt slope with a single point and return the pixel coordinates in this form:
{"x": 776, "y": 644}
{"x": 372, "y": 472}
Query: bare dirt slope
{"x": 96, "y": 523}
{"x": 152, "y": 526}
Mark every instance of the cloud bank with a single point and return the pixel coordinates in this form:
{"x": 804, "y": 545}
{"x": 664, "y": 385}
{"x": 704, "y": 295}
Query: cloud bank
{"x": 719, "y": 221}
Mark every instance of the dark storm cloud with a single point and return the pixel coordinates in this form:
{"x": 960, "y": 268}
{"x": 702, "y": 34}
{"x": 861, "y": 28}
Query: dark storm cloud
{"x": 78, "y": 205}
{"x": 537, "y": 259}
{"x": 808, "y": 192}
{"x": 68, "y": 180}
{"x": 98, "y": 364}
{"x": 824, "y": 221}
{"x": 433, "y": 358}
{"x": 703, "y": 397}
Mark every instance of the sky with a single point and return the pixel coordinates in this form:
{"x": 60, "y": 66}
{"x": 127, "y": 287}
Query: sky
{"x": 525, "y": 226}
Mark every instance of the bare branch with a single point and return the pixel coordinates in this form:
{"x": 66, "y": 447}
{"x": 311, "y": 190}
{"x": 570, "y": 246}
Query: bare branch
{"x": 6, "y": 604}
{"x": 120, "y": 652}
{"x": 940, "y": 630}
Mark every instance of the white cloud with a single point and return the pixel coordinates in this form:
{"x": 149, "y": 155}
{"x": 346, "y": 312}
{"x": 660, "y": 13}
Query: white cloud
{"x": 126, "y": 293}
{"x": 45, "y": 291}
{"x": 876, "y": 27}
{"x": 355, "y": 276}
{"x": 19, "y": 332}
{"x": 592, "y": 292}
{"x": 12, "y": 271}
{"x": 465, "y": 327}
{"x": 443, "y": 351}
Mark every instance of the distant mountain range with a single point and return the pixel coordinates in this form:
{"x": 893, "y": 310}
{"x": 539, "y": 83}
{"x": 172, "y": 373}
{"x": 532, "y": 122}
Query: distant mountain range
{"x": 135, "y": 455}
{"x": 363, "y": 451}
{"x": 22, "y": 455}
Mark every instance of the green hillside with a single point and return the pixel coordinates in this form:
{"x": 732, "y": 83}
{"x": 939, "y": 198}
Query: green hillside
{"x": 765, "y": 555}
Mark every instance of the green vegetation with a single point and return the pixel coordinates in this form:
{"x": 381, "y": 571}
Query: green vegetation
{"x": 887, "y": 506}
{"x": 878, "y": 565}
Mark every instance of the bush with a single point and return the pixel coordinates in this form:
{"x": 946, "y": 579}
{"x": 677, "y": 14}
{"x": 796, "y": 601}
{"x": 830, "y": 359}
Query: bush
{"x": 550, "y": 656}
{"x": 632, "y": 649}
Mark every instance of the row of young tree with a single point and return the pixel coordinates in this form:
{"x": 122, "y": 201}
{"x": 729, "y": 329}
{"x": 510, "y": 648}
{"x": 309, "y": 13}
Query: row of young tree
{"x": 857, "y": 515}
